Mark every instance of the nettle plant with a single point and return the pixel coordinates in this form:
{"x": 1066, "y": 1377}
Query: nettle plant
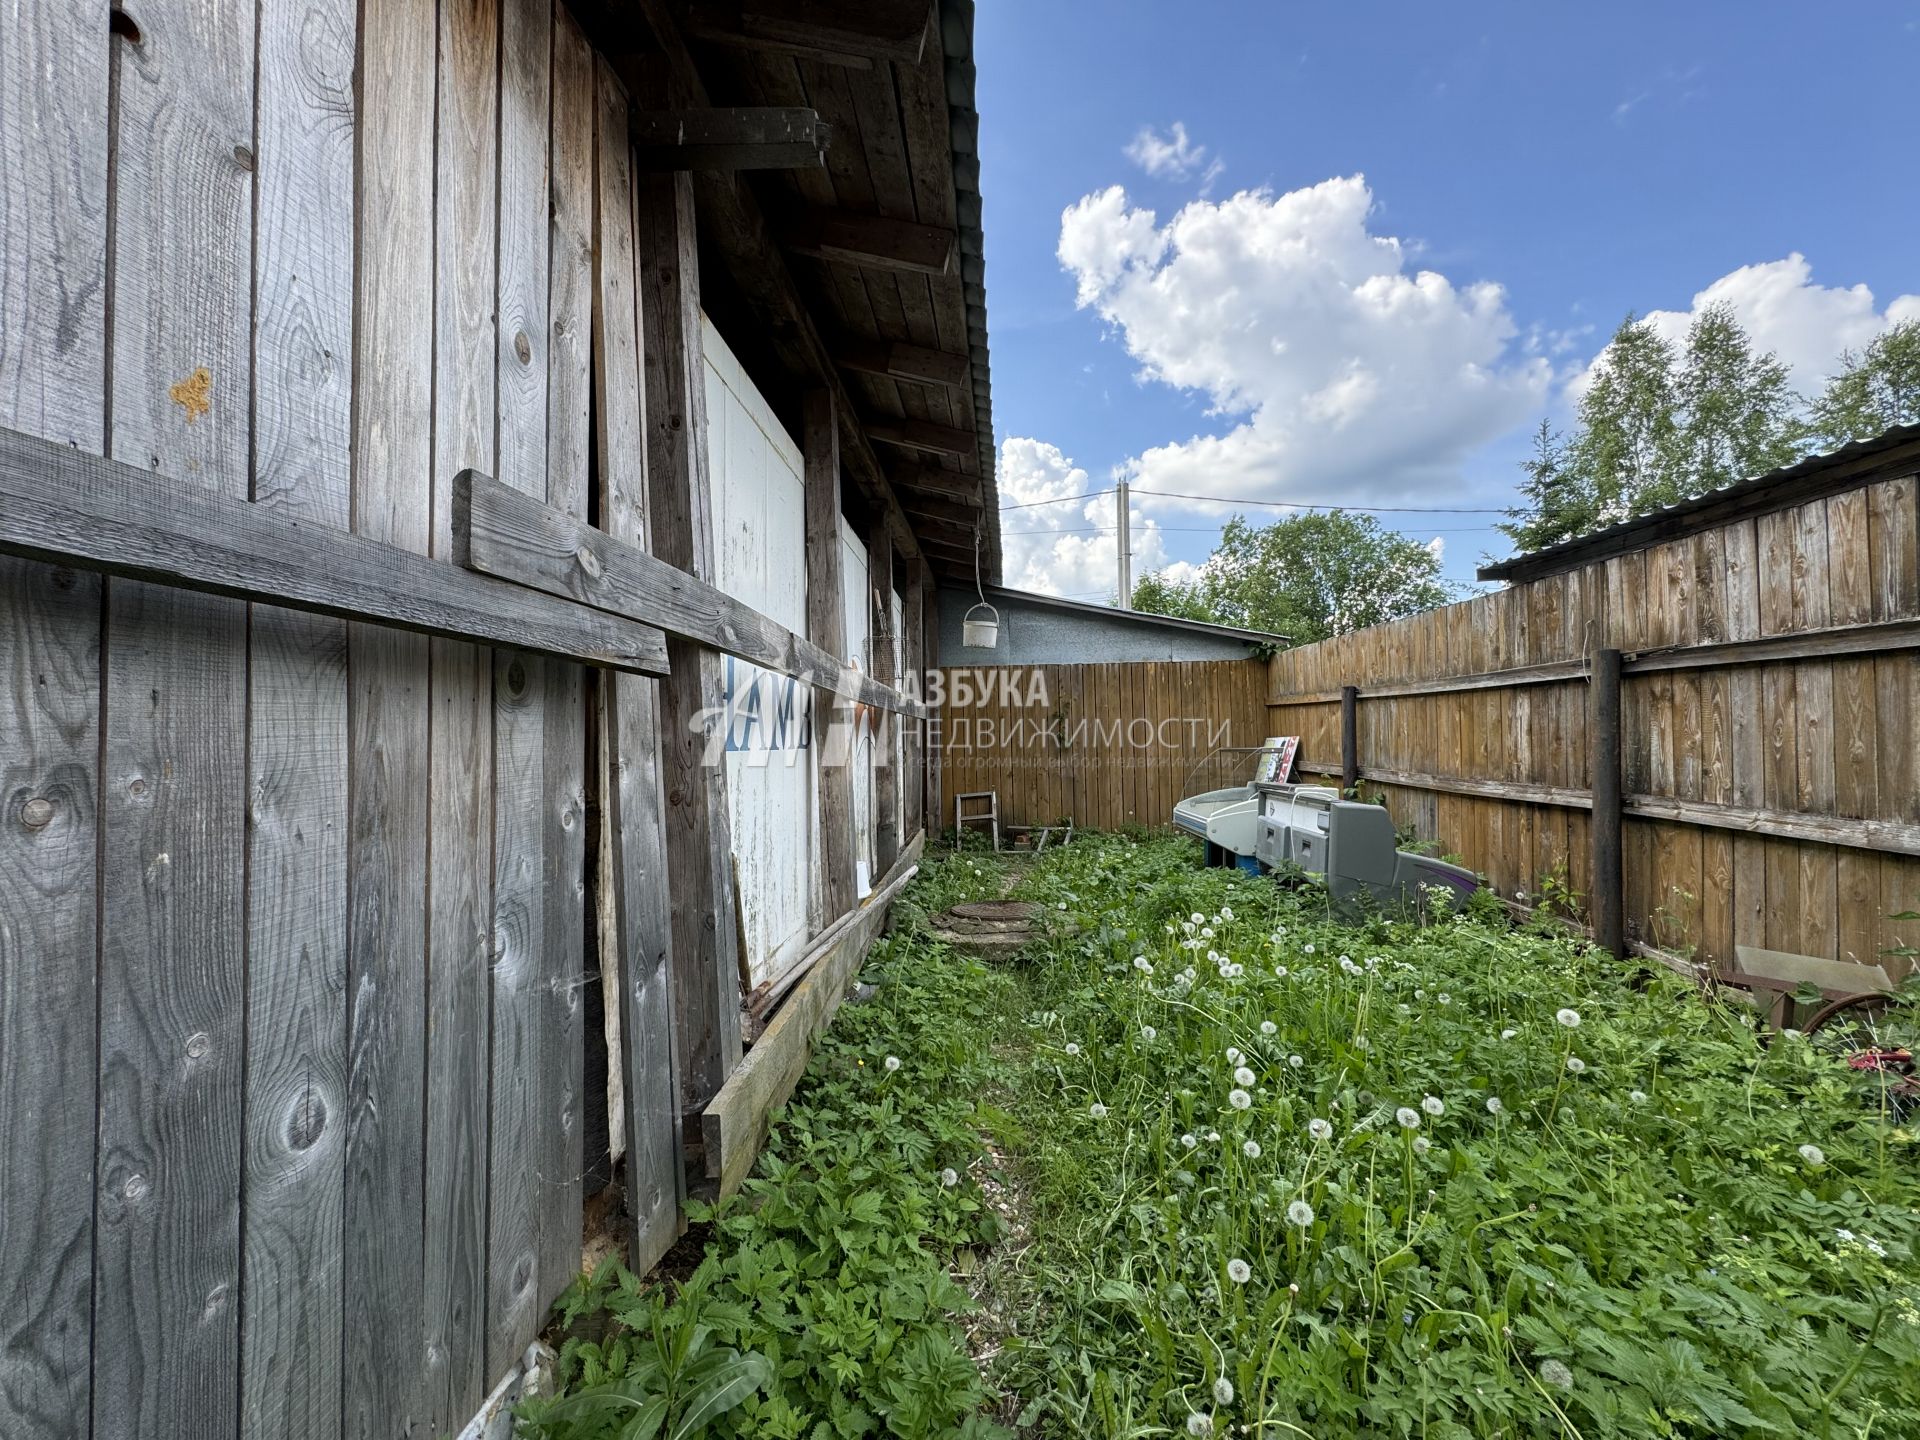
{"x": 1444, "y": 1179}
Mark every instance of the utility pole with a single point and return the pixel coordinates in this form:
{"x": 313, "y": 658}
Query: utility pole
{"x": 1125, "y": 535}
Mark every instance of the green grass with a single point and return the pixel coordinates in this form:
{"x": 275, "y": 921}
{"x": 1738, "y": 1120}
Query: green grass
{"x": 1690, "y": 1233}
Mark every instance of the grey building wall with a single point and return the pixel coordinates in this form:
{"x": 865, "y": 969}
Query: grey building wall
{"x": 1034, "y": 631}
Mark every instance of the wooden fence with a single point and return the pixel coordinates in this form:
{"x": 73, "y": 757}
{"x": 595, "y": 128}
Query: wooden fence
{"x": 1770, "y": 685}
{"x": 1105, "y": 745}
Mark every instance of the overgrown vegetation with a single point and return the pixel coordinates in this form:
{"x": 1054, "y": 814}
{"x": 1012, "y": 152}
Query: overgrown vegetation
{"x": 1290, "y": 1177}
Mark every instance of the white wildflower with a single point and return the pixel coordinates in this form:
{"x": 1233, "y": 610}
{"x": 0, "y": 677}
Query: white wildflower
{"x": 1251, "y": 1149}
{"x": 1433, "y": 1105}
{"x": 1878, "y": 1250}
{"x": 1307, "y": 948}
{"x": 1813, "y": 1155}
{"x": 1508, "y": 1034}
{"x": 1189, "y": 1140}
{"x": 1638, "y": 1097}
{"x": 1576, "y": 1065}
{"x": 1421, "y": 1144}
{"x": 1097, "y": 1110}
{"x": 1444, "y": 998}
{"x": 1206, "y": 932}
{"x": 1844, "y": 1233}
{"x": 1149, "y": 1034}
{"x": 1243, "y": 1076}
{"x": 1494, "y": 1107}
{"x": 1239, "y": 1099}
{"x": 892, "y": 1062}
{"x": 1073, "y": 1047}
{"x": 1239, "y": 1271}
{"x": 1295, "y": 1061}
{"x": 1226, "y": 912}
{"x": 1196, "y": 918}
{"x": 949, "y": 1177}
{"x": 1267, "y": 1027}
{"x": 1568, "y": 1018}
{"x": 1235, "y": 1055}
{"x": 1300, "y": 1213}
{"x": 1408, "y": 1117}
{"x": 1279, "y": 971}
{"x": 1320, "y": 1129}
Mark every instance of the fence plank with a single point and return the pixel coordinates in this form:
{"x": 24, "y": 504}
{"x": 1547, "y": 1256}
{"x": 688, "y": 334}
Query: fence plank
{"x": 173, "y": 792}
{"x": 292, "y": 1323}
{"x": 388, "y": 731}
{"x": 53, "y": 285}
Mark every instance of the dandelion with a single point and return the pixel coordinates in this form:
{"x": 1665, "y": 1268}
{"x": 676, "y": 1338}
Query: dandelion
{"x": 1576, "y": 1065}
{"x": 1189, "y": 1140}
{"x": 1097, "y": 1110}
{"x": 1251, "y": 1149}
{"x": 1360, "y": 1042}
{"x": 1239, "y": 1099}
{"x": 1239, "y": 1271}
{"x": 892, "y": 1063}
{"x": 1149, "y": 1034}
{"x": 949, "y": 1177}
{"x": 1206, "y": 932}
{"x": 1267, "y": 1027}
{"x": 1243, "y": 1076}
{"x": 1568, "y": 1018}
{"x": 1444, "y": 998}
{"x": 1346, "y": 960}
{"x": 1198, "y": 1424}
{"x": 1279, "y": 972}
{"x": 1196, "y": 918}
{"x": 1419, "y": 994}
{"x": 1433, "y": 1105}
{"x": 1213, "y": 1137}
{"x": 1235, "y": 1055}
{"x": 1404, "y": 1008}
{"x": 1408, "y": 1117}
{"x": 1320, "y": 1129}
{"x": 1295, "y": 1061}
{"x": 1494, "y": 1107}
{"x": 1508, "y": 1034}
{"x": 1556, "y": 1374}
{"x": 1307, "y": 948}
{"x": 1421, "y": 1144}
{"x": 1215, "y": 958}
{"x": 1638, "y": 1097}
{"x": 1236, "y": 970}
{"x": 1073, "y": 1048}
{"x": 1223, "y": 1391}
{"x": 1143, "y": 965}
{"x": 1187, "y": 926}
{"x": 1300, "y": 1213}
{"x": 1226, "y": 912}
{"x": 1813, "y": 1155}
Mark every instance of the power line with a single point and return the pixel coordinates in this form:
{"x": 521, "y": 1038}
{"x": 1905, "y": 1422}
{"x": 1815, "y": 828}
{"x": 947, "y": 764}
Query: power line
{"x": 1203, "y": 530}
{"x": 1277, "y": 504}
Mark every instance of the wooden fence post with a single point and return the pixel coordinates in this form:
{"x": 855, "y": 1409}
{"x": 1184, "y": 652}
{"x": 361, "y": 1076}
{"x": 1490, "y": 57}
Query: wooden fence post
{"x": 1349, "y": 737}
{"x": 886, "y": 776}
{"x": 1607, "y": 902}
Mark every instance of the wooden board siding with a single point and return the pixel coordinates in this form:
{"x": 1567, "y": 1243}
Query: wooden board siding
{"x": 1045, "y": 736}
{"x": 1770, "y": 788}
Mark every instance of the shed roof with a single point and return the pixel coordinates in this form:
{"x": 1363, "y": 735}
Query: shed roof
{"x": 1007, "y": 595}
{"x": 1806, "y": 479}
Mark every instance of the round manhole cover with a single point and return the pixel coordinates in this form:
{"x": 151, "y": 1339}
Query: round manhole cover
{"x": 995, "y": 910}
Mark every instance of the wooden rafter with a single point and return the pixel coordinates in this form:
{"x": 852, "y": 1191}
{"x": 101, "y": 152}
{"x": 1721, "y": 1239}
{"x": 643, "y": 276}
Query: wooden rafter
{"x": 841, "y": 32}
{"x": 761, "y": 137}
{"x": 923, "y": 435}
{"x": 899, "y": 361}
{"x": 872, "y": 240}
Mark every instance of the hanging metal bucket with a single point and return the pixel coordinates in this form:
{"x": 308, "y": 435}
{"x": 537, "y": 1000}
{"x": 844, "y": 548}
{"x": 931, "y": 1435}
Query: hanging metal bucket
{"x": 981, "y": 634}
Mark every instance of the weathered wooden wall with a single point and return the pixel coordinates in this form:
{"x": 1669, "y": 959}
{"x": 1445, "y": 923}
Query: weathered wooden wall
{"x": 1768, "y": 705}
{"x": 1106, "y": 745}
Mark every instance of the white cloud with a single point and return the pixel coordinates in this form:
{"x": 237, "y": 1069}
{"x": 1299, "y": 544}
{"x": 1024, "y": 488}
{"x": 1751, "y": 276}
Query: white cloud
{"x": 1356, "y": 377}
{"x": 1784, "y": 310}
{"x": 1171, "y": 156}
{"x": 1064, "y": 549}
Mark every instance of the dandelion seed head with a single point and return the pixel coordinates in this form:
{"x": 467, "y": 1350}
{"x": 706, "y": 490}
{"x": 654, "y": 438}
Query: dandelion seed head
{"x": 1267, "y": 1027}
{"x": 1444, "y": 998}
{"x": 1300, "y": 1213}
{"x": 1149, "y": 1034}
{"x": 1243, "y": 1076}
{"x": 1320, "y": 1129}
{"x": 1433, "y": 1105}
{"x": 1213, "y": 1137}
{"x": 1813, "y": 1155}
{"x": 1576, "y": 1065}
{"x": 1073, "y": 1047}
{"x": 1556, "y": 1374}
{"x": 1234, "y": 1055}
{"x": 1279, "y": 972}
{"x": 1097, "y": 1110}
{"x": 1307, "y": 948}
{"x": 1189, "y": 1140}
{"x": 1239, "y": 1271}
{"x": 1198, "y": 1424}
{"x": 1568, "y": 1018}
{"x": 949, "y": 1177}
{"x": 1421, "y": 1144}
{"x": 1223, "y": 1391}
{"x": 892, "y": 1062}
{"x": 1408, "y": 1117}
{"x": 1251, "y": 1149}
{"x": 1494, "y": 1107}
{"x": 1295, "y": 1061}
{"x": 1638, "y": 1097}
{"x": 1226, "y": 912}
{"x": 1239, "y": 1099}
{"x": 1196, "y": 918}
{"x": 1508, "y": 1034}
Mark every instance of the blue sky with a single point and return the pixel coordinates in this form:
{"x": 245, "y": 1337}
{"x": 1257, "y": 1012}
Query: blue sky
{"x": 1249, "y": 316}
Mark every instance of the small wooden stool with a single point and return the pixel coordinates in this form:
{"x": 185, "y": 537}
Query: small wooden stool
{"x": 990, "y": 816}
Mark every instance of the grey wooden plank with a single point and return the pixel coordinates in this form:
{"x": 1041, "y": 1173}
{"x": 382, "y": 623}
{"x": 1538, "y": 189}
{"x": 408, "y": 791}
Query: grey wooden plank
{"x": 692, "y": 701}
{"x": 520, "y": 1082}
{"x": 53, "y": 229}
{"x": 886, "y": 775}
{"x": 513, "y": 537}
{"x": 80, "y": 509}
{"x": 826, "y": 627}
{"x": 173, "y": 788}
{"x": 564, "y": 1033}
{"x": 642, "y": 932}
{"x": 387, "y": 737}
{"x": 460, "y": 879}
{"x": 291, "y": 1318}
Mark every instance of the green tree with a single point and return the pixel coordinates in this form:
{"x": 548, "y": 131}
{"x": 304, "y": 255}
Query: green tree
{"x": 1557, "y": 504}
{"x": 1307, "y": 577}
{"x": 1627, "y": 440}
{"x": 1876, "y": 389}
{"x": 1738, "y": 414}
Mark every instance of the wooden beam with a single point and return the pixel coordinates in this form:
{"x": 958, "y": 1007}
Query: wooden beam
{"x": 899, "y": 361}
{"x": 1608, "y": 899}
{"x": 873, "y": 241}
{"x": 1349, "y": 737}
{"x": 735, "y": 1122}
{"x": 841, "y": 32}
{"x": 503, "y": 533}
{"x": 763, "y": 137}
{"x": 959, "y": 484}
{"x": 693, "y": 712}
{"x": 826, "y": 626}
{"x": 73, "y": 508}
{"x": 886, "y": 774}
{"x": 923, "y": 435}
{"x": 936, "y": 507}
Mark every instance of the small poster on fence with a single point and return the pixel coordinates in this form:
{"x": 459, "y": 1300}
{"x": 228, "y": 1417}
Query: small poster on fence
{"x": 1277, "y": 764}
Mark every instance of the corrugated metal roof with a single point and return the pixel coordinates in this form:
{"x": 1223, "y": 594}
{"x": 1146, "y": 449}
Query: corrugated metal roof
{"x": 1789, "y": 485}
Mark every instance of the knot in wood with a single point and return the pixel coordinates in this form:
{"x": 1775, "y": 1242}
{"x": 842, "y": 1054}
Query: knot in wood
{"x": 523, "y": 347}
{"x": 37, "y": 813}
